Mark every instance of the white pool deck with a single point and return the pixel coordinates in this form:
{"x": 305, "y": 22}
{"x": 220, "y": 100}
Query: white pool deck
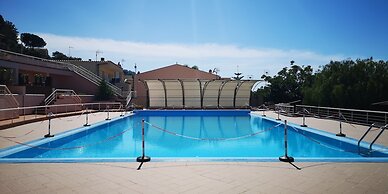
{"x": 190, "y": 177}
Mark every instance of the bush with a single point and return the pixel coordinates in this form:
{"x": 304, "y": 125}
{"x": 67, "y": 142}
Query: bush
{"x": 104, "y": 91}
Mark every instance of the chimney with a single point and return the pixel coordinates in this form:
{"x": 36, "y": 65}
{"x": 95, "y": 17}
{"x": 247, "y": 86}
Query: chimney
{"x": 102, "y": 59}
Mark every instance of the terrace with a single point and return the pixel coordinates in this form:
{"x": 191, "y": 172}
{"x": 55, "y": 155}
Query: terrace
{"x": 191, "y": 176}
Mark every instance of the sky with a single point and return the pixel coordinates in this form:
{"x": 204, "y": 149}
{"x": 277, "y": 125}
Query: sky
{"x": 249, "y": 36}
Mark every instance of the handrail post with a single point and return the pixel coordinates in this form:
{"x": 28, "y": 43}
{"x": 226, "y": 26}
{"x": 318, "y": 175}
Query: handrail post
{"x": 278, "y": 119}
{"x": 367, "y": 118}
{"x": 87, "y": 118}
{"x": 49, "y": 126}
{"x": 367, "y": 131}
{"x": 304, "y": 119}
{"x": 378, "y": 135}
{"x": 121, "y": 110}
{"x": 286, "y": 158}
{"x": 263, "y": 110}
{"x": 107, "y": 116}
{"x": 143, "y": 158}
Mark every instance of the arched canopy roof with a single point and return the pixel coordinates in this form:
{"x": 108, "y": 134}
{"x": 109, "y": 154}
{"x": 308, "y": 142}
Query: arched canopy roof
{"x": 174, "y": 93}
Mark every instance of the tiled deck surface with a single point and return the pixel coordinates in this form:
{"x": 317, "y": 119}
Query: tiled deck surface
{"x": 189, "y": 177}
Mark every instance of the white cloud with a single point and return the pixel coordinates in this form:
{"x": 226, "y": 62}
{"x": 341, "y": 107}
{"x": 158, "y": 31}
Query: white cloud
{"x": 148, "y": 56}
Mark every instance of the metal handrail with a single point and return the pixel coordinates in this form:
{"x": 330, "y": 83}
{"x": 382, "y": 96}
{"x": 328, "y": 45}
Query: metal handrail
{"x": 363, "y": 136}
{"x": 288, "y": 109}
{"x": 54, "y": 95}
{"x": 129, "y": 98}
{"x": 378, "y": 135}
{"x": 353, "y": 115}
{"x": 341, "y": 109}
{"x": 82, "y": 105}
{"x": 92, "y": 77}
{"x": 61, "y": 105}
{"x": 9, "y": 93}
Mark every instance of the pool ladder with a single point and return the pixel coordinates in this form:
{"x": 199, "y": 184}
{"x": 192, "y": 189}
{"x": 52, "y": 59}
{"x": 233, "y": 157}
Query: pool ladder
{"x": 367, "y": 131}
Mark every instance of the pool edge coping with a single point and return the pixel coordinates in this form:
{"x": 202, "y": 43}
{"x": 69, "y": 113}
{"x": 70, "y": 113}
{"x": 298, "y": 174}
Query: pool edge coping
{"x": 18, "y": 148}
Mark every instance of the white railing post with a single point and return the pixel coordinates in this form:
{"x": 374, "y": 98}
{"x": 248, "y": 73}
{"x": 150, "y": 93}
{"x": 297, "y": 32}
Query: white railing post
{"x": 143, "y": 158}
{"x": 304, "y": 118}
{"x": 278, "y": 119}
{"x": 340, "y": 134}
{"x": 107, "y": 116}
{"x": 87, "y": 118}
{"x": 286, "y": 158}
{"x": 49, "y": 126}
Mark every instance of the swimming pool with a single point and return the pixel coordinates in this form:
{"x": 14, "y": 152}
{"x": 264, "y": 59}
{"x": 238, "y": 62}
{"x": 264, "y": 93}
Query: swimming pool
{"x": 192, "y": 135}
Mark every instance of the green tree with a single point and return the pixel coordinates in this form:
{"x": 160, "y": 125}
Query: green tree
{"x": 37, "y": 52}
{"x": 349, "y": 84}
{"x": 287, "y": 85}
{"x": 60, "y": 56}
{"x": 104, "y": 91}
{"x": 8, "y": 36}
{"x": 32, "y": 40}
{"x": 195, "y": 67}
{"x": 128, "y": 72}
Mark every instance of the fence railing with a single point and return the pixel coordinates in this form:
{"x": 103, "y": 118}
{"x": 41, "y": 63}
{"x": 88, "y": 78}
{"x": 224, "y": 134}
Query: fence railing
{"x": 285, "y": 109}
{"x": 365, "y": 117}
{"x": 62, "y": 92}
{"x": 33, "y": 112}
{"x": 129, "y": 98}
{"x": 95, "y": 79}
{"x": 4, "y": 92}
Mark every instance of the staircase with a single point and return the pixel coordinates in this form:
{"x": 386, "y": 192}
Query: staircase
{"x": 63, "y": 96}
{"x": 95, "y": 79}
{"x": 7, "y": 100}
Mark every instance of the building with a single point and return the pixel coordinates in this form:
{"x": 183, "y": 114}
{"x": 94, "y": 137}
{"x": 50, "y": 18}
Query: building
{"x": 31, "y": 79}
{"x": 107, "y": 70}
{"x": 175, "y": 71}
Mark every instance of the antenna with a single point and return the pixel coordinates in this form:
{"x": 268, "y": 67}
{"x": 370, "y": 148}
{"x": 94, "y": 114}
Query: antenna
{"x": 238, "y": 73}
{"x": 97, "y": 53}
{"x": 122, "y": 62}
{"x": 216, "y": 70}
{"x": 70, "y": 47}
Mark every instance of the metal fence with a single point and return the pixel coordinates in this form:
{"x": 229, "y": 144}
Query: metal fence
{"x": 285, "y": 109}
{"x": 365, "y": 117}
{"x": 40, "y": 112}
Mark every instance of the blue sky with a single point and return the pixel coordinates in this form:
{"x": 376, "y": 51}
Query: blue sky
{"x": 257, "y": 36}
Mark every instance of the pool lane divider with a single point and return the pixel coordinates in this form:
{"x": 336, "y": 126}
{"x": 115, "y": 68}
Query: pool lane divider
{"x": 143, "y": 158}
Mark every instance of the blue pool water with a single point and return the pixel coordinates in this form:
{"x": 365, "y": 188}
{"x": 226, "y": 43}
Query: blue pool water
{"x": 193, "y": 134}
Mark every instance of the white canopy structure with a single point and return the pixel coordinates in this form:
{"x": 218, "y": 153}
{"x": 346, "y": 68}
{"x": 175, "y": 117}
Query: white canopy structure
{"x": 175, "y": 93}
